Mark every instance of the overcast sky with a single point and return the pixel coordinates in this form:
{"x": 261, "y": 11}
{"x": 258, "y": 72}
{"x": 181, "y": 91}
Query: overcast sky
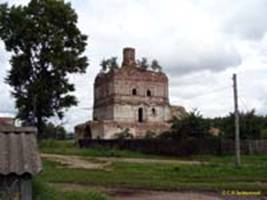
{"x": 199, "y": 44}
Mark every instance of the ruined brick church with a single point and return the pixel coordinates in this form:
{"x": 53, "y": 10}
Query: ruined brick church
{"x": 132, "y": 98}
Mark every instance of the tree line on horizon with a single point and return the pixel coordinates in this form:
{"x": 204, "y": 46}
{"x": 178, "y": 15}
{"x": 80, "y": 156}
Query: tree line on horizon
{"x": 252, "y": 126}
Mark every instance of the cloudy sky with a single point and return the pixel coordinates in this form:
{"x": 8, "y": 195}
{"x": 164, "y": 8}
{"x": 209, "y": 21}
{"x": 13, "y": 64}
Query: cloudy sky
{"x": 200, "y": 44}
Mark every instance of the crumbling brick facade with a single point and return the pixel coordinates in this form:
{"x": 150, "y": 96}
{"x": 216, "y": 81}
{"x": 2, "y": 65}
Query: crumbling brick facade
{"x": 130, "y": 97}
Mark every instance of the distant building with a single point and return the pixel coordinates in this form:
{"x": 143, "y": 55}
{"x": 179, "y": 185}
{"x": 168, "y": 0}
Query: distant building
{"x": 214, "y": 131}
{"x": 129, "y": 97}
{"x": 7, "y": 121}
{"x": 19, "y": 162}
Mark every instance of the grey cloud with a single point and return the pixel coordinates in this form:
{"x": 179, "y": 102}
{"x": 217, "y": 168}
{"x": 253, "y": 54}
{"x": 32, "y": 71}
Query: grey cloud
{"x": 247, "y": 19}
{"x": 244, "y": 19}
{"x": 181, "y": 46}
{"x": 6, "y": 101}
{"x": 180, "y": 61}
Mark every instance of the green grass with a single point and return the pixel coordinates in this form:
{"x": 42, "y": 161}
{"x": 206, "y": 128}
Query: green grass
{"x": 229, "y": 159}
{"x": 218, "y": 173}
{"x": 164, "y": 176}
{"x": 42, "y": 191}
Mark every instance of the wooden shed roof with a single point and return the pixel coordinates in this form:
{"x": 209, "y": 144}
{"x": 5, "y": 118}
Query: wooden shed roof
{"x": 19, "y": 151}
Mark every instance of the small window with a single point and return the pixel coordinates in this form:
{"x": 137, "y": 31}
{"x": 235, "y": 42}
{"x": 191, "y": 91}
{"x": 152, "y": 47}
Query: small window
{"x": 154, "y": 112}
{"x": 148, "y": 93}
{"x": 134, "y": 92}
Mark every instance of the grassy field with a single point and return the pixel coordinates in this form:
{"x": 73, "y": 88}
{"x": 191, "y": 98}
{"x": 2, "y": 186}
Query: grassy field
{"x": 43, "y": 191}
{"x": 215, "y": 173}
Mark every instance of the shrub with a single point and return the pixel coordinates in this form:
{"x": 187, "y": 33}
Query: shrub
{"x": 264, "y": 134}
{"x": 150, "y": 135}
{"x": 125, "y": 134}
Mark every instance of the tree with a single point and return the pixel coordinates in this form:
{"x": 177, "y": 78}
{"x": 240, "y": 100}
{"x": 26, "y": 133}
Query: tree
{"x": 104, "y": 64}
{"x": 113, "y": 64}
{"x": 46, "y": 47}
{"x": 143, "y": 63}
{"x": 109, "y": 64}
{"x": 251, "y": 125}
{"x": 191, "y": 125}
{"x": 155, "y": 65}
{"x": 54, "y": 131}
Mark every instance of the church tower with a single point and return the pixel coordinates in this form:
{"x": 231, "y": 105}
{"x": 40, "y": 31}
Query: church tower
{"x": 130, "y": 97}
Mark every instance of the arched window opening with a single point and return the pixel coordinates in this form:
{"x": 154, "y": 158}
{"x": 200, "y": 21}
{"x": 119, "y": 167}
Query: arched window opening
{"x": 134, "y": 91}
{"x": 148, "y": 93}
{"x": 154, "y": 113}
{"x": 140, "y": 115}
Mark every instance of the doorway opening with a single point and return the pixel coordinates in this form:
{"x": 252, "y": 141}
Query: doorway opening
{"x": 140, "y": 115}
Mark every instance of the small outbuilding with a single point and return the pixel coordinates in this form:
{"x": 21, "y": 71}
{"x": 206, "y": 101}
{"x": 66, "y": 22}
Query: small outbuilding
{"x": 19, "y": 161}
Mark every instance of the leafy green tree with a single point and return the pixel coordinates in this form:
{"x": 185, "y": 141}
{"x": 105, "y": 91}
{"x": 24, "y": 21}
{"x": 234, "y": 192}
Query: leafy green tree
{"x": 109, "y": 64}
{"x": 46, "y": 47}
{"x": 54, "y": 131}
{"x": 155, "y": 66}
{"x": 113, "y": 64}
{"x": 191, "y": 125}
{"x": 264, "y": 134}
{"x": 143, "y": 63}
{"x": 251, "y": 125}
{"x": 104, "y": 64}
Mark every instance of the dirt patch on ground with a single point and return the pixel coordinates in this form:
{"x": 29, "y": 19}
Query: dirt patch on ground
{"x": 77, "y": 161}
{"x": 149, "y": 160}
{"x": 146, "y": 194}
{"x": 132, "y": 194}
{"x": 141, "y": 194}
{"x": 104, "y": 162}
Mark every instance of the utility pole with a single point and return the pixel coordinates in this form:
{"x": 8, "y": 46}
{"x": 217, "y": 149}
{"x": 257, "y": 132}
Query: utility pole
{"x": 237, "y": 131}
{"x": 34, "y": 109}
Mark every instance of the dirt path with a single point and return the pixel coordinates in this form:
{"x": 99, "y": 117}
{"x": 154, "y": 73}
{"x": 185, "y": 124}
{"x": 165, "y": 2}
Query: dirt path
{"x": 130, "y": 194}
{"x": 144, "y": 194}
{"x": 103, "y": 162}
{"x": 77, "y": 161}
{"x": 141, "y": 194}
{"x": 150, "y": 160}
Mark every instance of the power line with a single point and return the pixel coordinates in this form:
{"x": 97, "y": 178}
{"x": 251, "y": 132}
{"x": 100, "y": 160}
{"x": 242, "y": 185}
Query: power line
{"x": 210, "y": 92}
{"x": 243, "y": 103}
